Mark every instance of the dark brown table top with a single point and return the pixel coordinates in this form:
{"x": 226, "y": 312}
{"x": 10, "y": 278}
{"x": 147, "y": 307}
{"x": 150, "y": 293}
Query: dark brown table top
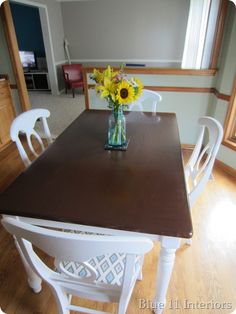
{"x": 77, "y": 180}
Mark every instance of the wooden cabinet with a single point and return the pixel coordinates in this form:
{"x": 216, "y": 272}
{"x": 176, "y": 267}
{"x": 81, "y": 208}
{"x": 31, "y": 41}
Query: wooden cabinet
{"x": 7, "y": 113}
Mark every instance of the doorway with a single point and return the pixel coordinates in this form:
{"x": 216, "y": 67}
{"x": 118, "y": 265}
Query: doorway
{"x": 40, "y": 74}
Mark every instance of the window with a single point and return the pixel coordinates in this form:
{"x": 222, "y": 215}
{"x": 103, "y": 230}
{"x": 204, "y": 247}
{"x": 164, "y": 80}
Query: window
{"x": 230, "y": 121}
{"x": 199, "y": 40}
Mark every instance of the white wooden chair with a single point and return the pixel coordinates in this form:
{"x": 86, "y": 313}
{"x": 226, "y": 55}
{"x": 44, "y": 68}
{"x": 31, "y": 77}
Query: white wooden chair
{"x": 198, "y": 170}
{"x": 199, "y": 167}
{"x": 147, "y": 95}
{"x": 104, "y": 268}
{"x": 25, "y": 123}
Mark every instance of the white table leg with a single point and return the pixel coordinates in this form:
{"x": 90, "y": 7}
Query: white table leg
{"x": 34, "y": 281}
{"x": 164, "y": 271}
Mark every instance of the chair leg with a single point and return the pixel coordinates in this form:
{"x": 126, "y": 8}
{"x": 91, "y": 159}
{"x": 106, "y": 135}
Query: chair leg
{"x": 123, "y": 304}
{"x": 140, "y": 275}
{"x": 73, "y": 92}
{"x": 34, "y": 281}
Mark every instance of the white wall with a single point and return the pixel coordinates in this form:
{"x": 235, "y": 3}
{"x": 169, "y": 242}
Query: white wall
{"x": 126, "y": 29}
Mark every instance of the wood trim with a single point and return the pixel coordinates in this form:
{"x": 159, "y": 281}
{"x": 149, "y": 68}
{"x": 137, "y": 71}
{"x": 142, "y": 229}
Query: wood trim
{"x": 221, "y": 96}
{"x": 187, "y": 146}
{"x": 174, "y": 89}
{"x": 14, "y": 54}
{"x": 86, "y": 95}
{"x": 181, "y": 89}
{"x": 229, "y": 144}
{"x": 225, "y": 168}
{"x": 160, "y": 71}
{"x": 230, "y": 120}
{"x": 219, "y": 33}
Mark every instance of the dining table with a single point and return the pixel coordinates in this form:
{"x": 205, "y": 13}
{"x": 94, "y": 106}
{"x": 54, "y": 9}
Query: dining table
{"x": 77, "y": 183}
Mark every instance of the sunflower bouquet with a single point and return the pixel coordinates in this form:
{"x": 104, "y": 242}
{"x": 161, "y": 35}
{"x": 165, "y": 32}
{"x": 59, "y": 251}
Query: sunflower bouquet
{"x": 119, "y": 91}
{"x": 116, "y": 87}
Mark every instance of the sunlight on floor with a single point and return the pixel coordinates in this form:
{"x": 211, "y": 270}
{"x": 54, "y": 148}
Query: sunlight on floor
{"x": 221, "y": 226}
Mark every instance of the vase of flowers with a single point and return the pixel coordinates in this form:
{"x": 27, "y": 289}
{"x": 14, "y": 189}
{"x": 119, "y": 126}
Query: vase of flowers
{"x": 117, "y": 128}
{"x": 119, "y": 91}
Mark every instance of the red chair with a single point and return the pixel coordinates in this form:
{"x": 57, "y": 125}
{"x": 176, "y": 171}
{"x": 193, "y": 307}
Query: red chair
{"x": 73, "y": 76}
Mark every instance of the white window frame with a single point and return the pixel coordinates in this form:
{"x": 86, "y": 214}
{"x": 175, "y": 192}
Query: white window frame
{"x": 200, "y": 32}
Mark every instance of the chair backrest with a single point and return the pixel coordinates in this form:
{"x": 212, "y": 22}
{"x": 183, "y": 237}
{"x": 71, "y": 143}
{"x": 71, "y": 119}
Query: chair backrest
{"x": 79, "y": 248}
{"x": 199, "y": 167}
{"x": 72, "y": 72}
{"x": 25, "y": 123}
{"x": 146, "y": 96}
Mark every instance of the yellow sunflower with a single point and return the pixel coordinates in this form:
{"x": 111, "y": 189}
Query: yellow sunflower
{"x": 125, "y": 93}
{"x": 138, "y": 88}
{"x": 107, "y": 89}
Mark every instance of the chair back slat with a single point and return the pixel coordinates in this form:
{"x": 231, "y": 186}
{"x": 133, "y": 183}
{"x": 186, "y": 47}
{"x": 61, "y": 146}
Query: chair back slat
{"x": 25, "y": 123}
{"x": 199, "y": 167}
{"x": 29, "y": 137}
{"x": 145, "y": 97}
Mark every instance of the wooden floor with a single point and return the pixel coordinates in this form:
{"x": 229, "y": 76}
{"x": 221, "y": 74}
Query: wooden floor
{"x": 204, "y": 277}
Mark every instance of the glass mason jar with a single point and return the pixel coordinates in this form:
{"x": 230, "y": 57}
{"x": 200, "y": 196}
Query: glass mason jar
{"x": 117, "y": 128}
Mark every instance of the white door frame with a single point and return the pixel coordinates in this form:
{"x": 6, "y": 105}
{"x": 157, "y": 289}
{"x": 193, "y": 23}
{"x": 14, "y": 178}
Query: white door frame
{"x": 47, "y": 38}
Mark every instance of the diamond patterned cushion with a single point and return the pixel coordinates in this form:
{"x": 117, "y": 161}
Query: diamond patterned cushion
{"x": 110, "y": 268}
